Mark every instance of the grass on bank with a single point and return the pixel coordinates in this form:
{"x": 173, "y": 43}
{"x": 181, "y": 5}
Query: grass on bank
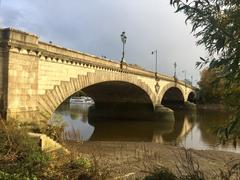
{"x": 21, "y": 158}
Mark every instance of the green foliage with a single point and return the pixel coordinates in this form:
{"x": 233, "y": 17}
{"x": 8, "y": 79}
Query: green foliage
{"x": 55, "y": 128}
{"x": 212, "y": 89}
{"x": 83, "y": 162}
{"x": 231, "y": 132}
{"x": 20, "y": 156}
{"x": 216, "y": 25}
{"x": 217, "y": 90}
{"x": 83, "y": 167}
{"x": 13, "y": 176}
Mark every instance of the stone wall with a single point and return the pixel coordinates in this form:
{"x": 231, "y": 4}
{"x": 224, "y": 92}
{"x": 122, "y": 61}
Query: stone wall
{"x": 1, "y": 79}
{"x": 19, "y": 76}
{"x": 22, "y": 85}
{"x": 52, "y": 73}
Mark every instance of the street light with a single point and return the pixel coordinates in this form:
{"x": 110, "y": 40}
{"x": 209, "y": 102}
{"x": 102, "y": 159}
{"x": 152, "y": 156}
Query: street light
{"x": 185, "y": 80}
{"x": 157, "y": 86}
{"x": 185, "y": 75}
{"x": 156, "y": 53}
{"x": 175, "y": 67}
{"x": 124, "y": 40}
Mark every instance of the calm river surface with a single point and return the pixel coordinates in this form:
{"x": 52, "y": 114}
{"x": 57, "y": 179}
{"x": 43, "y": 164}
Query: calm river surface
{"x": 190, "y": 129}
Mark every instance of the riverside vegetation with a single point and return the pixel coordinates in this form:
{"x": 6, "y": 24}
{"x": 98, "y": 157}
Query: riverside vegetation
{"x": 22, "y": 158}
{"x": 215, "y": 23}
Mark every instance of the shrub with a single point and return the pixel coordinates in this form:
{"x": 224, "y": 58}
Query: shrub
{"x": 20, "y": 156}
{"x": 55, "y": 128}
{"x": 82, "y": 162}
{"x": 7, "y": 176}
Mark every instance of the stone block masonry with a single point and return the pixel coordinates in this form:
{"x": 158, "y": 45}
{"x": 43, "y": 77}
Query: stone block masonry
{"x": 36, "y": 77}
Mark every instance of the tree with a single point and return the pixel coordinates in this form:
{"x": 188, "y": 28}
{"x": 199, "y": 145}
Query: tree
{"x": 216, "y": 24}
{"x": 211, "y": 90}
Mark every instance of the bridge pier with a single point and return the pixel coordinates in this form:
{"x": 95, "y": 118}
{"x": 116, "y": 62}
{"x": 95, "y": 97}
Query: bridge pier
{"x": 162, "y": 112}
{"x": 189, "y": 105}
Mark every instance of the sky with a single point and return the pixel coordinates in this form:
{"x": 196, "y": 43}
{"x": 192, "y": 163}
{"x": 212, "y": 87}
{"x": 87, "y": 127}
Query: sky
{"x": 95, "y": 26}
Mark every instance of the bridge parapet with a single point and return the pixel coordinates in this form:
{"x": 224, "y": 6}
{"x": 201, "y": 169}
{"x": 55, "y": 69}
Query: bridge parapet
{"x": 29, "y": 44}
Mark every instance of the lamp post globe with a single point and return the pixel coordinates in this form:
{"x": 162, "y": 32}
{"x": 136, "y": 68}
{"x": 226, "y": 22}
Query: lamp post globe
{"x": 124, "y": 40}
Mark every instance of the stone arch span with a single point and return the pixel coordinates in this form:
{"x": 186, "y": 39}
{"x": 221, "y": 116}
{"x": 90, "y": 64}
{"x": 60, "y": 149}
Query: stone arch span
{"x": 171, "y": 87}
{"x": 48, "y": 102}
{"x": 191, "y": 97}
{"x": 117, "y": 92}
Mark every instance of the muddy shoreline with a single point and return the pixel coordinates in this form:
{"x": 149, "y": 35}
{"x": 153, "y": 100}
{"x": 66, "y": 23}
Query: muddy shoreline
{"x": 130, "y": 160}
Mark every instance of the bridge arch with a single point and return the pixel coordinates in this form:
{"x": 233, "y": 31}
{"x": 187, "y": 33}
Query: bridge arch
{"x": 191, "y": 96}
{"x": 117, "y": 92}
{"x": 175, "y": 90}
{"x": 48, "y": 102}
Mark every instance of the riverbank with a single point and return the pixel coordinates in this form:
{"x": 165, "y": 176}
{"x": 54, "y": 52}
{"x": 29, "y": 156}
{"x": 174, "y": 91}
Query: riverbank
{"x": 212, "y": 107}
{"x": 129, "y": 160}
{"x": 21, "y": 158}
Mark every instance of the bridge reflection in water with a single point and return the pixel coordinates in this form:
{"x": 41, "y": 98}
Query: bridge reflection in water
{"x": 192, "y": 129}
{"x": 79, "y": 127}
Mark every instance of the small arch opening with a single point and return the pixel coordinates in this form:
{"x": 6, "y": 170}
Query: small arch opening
{"x": 172, "y": 98}
{"x": 191, "y": 97}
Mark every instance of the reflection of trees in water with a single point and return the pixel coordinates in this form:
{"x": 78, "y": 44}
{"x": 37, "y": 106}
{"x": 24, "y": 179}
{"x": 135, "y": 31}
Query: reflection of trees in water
{"x": 184, "y": 121}
{"x": 75, "y": 116}
{"x": 79, "y": 111}
{"x": 209, "y": 122}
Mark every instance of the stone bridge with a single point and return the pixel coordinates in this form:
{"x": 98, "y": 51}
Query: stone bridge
{"x": 36, "y": 77}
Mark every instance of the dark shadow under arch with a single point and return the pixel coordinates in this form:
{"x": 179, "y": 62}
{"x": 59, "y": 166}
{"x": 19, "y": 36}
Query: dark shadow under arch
{"x": 173, "y": 97}
{"x": 117, "y": 100}
{"x": 118, "y": 92}
{"x": 191, "y": 97}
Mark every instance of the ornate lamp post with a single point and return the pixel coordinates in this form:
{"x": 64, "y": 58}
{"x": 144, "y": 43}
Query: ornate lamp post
{"x": 185, "y": 80}
{"x": 157, "y": 86}
{"x": 124, "y": 40}
{"x": 185, "y": 75}
{"x": 175, "y": 67}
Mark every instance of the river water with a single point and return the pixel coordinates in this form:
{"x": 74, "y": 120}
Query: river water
{"x": 191, "y": 129}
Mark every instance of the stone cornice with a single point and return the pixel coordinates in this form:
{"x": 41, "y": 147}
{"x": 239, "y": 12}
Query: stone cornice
{"x": 29, "y": 44}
